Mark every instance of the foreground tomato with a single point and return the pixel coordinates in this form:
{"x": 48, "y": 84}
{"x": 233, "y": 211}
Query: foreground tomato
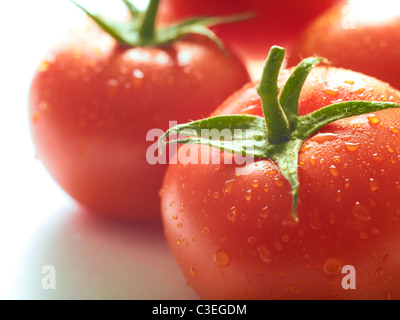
{"x": 233, "y": 232}
{"x": 359, "y": 35}
{"x": 276, "y": 22}
{"x": 93, "y": 100}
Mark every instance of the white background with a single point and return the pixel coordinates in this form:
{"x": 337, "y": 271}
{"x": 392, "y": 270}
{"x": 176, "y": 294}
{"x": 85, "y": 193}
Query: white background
{"x": 39, "y": 224}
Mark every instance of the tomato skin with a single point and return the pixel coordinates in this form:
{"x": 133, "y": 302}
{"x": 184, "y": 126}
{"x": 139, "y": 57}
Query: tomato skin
{"x": 235, "y": 238}
{"x": 276, "y": 23}
{"x": 351, "y": 36}
{"x": 92, "y": 103}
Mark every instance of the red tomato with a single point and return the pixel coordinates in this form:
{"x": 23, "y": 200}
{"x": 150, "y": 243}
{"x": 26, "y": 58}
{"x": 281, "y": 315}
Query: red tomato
{"x": 276, "y": 22}
{"x": 361, "y": 35}
{"x": 92, "y": 102}
{"x": 234, "y": 236}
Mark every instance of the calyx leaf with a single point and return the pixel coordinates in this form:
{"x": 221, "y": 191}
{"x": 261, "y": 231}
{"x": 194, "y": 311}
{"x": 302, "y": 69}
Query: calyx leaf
{"x": 141, "y": 29}
{"x": 280, "y": 134}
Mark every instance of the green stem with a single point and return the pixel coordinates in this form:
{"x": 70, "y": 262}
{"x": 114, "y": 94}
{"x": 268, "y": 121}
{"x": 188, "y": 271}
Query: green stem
{"x": 147, "y": 29}
{"x": 278, "y": 129}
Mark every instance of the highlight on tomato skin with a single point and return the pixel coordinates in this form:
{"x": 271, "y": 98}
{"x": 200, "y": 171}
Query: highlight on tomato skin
{"x": 234, "y": 236}
{"x": 93, "y": 100}
{"x": 359, "y": 35}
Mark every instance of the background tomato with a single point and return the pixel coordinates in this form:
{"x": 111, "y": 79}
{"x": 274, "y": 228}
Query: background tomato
{"x": 358, "y": 35}
{"x": 276, "y": 23}
{"x": 92, "y": 102}
{"x": 234, "y": 236}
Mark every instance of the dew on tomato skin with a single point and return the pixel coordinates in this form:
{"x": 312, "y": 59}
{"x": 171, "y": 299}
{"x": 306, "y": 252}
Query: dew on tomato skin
{"x": 260, "y": 271}
{"x": 334, "y": 171}
{"x": 251, "y": 239}
{"x": 272, "y": 172}
{"x": 361, "y": 212}
{"x": 192, "y": 271}
{"x": 388, "y": 148}
{"x": 228, "y": 186}
{"x": 315, "y": 220}
{"x": 279, "y": 182}
{"x": 377, "y": 157}
{"x": 352, "y": 146}
{"x": 259, "y": 223}
{"x": 331, "y": 92}
{"x": 349, "y": 82}
{"x": 264, "y": 212}
{"x": 332, "y": 266}
{"x": 216, "y": 195}
{"x": 347, "y": 183}
{"x": 264, "y": 253}
{"x": 363, "y": 236}
{"x": 222, "y": 259}
{"x": 338, "y": 196}
{"x": 332, "y": 217}
{"x": 324, "y": 137}
{"x": 248, "y": 195}
{"x": 232, "y": 214}
{"x": 373, "y": 120}
{"x": 179, "y": 225}
{"x": 313, "y": 160}
{"x": 206, "y": 230}
{"x": 373, "y": 184}
{"x": 255, "y": 184}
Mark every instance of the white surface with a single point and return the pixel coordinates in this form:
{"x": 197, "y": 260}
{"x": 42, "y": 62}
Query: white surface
{"x": 39, "y": 224}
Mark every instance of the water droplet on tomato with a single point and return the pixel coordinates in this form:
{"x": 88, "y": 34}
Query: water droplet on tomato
{"x": 361, "y": 212}
{"x": 251, "y": 239}
{"x": 265, "y": 254}
{"x": 228, "y": 186}
{"x": 264, "y": 212}
{"x": 334, "y": 171}
{"x": 222, "y": 259}
{"x": 192, "y": 271}
{"x": 232, "y": 214}
{"x": 260, "y": 271}
{"x": 255, "y": 184}
{"x": 206, "y": 230}
{"x": 332, "y": 266}
{"x": 347, "y": 183}
{"x": 248, "y": 195}
{"x": 323, "y": 137}
{"x": 44, "y": 66}
{"x": 331, "y": 92}
{"x": 216, "y": 195}
{"x": 373, "y": 120}
{"x": 338, "y": 196}
{"x": 373, "y": 185}
{"x": 352, "y": 146}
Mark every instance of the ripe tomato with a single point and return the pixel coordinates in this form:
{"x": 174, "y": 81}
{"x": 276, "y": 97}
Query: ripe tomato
{"x": 234, "y": 236}
{"x": 93, "y": 100}
{"x": 359, "y": 35}
{"x": 275, "y": 23}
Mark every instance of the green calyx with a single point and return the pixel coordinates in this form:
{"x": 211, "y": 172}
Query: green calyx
{"x": 141, "y": 29}
{"x": 280, "y": 134}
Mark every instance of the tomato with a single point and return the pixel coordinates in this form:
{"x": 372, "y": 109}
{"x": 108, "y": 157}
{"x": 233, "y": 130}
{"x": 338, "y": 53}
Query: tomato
{"x": 93, "y": 100}
{"x": 360, "y": 35}
{"x": 233, "y": 233}
{"x": 275, "y": 23}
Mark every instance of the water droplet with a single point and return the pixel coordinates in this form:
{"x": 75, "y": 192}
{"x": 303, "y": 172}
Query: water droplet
{"x": 281, "y": 275}
{"x": 247, "y": 195}
{"x": 334, "y": 171}
{"x": 279, "y": 182}
{"x": 347, "y": 183}
{"x": 222, "y": 259}
{"x": 272, "y": 172}
{"x": 285, "y": 238}
{"x": 232, "y": 214}
{"x": 228, "y": 186}
{"x": 260, "y": 271}
{"x": 264, "y": 212}
{"x": 331, "y": 92}
{"x": 206, "y": 230}
{"x": 388, "y": 296}
{"x": 178, "y": 242}
{"x": 323, "y": 137}
{"x": 216, "y": 195}
{"x": 289, "y": 288}
{"x": 363, "y": 236}
{"x": 373, "y": 185}
{"x": 251, "y": 239}
{"x": 259, "y": 223}
{"x": 179, "y": 225}
{"x": 138, "y": 74}
{"x": 315, "y": 220}
{"x": 349, "y": 82}
{"x": 255, "y": 184}
{"x": 174, "y": 217}
{"x": 377, "y": 157}
{"x": 313, "y": 160}
{"x": 390, "y": 149}
{"x": 373, "y": 120}
{"x": 352, "y": 146}
{"x": 192, "y": 271}
{"x": 265, "y": 254}
{"x": 332, "y": 266}
{"x": 361, "y": 212}
{"x": 338, "y": 196}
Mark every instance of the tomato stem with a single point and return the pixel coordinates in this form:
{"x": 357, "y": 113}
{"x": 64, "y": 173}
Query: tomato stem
{"x": 147, "y": 28}
{"x": 278, "y": 129}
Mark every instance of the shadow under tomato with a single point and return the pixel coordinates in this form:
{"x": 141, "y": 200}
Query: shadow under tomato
{"x": 94, "y": 258}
